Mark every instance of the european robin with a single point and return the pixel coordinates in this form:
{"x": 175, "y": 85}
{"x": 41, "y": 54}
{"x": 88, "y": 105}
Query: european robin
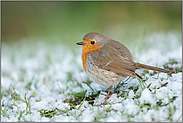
{"x": 108, "y": 62}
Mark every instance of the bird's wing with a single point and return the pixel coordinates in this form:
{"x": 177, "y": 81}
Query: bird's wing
{"x": 116, "y": 58}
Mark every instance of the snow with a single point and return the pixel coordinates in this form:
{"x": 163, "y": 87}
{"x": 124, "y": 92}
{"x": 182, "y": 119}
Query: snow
{"x": 114, "y": 99}
{"x": 100, "y": 99}
{"x": 130, "y": 107}
{"x": 6, "y": 82}
{"x": 131, "y": 94}
{"x": 48, "y": 69}
{"x": 147, "y": 97}
{"x": 86, "y": 113}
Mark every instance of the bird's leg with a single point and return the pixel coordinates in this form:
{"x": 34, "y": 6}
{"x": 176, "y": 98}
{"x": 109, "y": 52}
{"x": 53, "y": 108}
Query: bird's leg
{"x": 116, "y": 88}
{"x": 104, "y": 103}
{"x": 108, "y": 93}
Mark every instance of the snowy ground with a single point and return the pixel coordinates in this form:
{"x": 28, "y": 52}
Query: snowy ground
{"x": 36, "y": 81}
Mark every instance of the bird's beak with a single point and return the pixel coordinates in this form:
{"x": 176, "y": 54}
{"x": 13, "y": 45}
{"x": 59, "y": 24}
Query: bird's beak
{"x": 80, "y": 43}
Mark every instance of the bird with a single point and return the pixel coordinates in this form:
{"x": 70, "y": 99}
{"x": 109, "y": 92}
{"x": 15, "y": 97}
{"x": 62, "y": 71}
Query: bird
{"x": 108, "y": 62}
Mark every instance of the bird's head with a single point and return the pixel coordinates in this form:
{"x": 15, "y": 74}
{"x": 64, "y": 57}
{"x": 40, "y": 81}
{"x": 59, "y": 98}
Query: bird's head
{"x": 92, "y": 41}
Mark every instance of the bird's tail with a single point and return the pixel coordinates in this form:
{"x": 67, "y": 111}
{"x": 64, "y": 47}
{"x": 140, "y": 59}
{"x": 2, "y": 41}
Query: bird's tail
{"x": 143, "y": 66}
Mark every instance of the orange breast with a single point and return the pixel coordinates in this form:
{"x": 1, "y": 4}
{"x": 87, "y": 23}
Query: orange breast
{"x": 86, "y": 49}
{"x": 84, "y": 60}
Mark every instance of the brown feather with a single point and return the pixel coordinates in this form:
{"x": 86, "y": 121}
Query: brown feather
{"x": 116, "y": 58}
{"x": 143, "y": 66}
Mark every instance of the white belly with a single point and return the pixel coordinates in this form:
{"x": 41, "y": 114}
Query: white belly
{"x": 102, "y": 76}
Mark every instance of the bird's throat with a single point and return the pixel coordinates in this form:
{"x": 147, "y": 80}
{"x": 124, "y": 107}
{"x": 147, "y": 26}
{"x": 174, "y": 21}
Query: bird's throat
{"x": 85, "y": 52}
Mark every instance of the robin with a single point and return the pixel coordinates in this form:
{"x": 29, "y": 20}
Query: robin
{"x": 108, "y": 62}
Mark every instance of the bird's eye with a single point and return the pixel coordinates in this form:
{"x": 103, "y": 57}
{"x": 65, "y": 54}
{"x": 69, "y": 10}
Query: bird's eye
{"x": 92, "y": 42}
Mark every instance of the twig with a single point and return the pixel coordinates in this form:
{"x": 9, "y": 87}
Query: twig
{"x": 14, "y": 101}
{"x": 163, "y": 85}
{"x": 62, "y": 91}
{"x": 103, "y": 94}
{"x": 25, "y": 99}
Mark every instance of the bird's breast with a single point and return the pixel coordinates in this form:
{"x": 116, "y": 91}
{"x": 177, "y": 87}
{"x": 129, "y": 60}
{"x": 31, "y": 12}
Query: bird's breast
{"x": 101, "y": 76}
{"x": 84, "y": 59}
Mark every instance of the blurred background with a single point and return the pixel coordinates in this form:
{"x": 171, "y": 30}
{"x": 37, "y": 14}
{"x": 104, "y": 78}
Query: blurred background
{"x": 67, "y": 22}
